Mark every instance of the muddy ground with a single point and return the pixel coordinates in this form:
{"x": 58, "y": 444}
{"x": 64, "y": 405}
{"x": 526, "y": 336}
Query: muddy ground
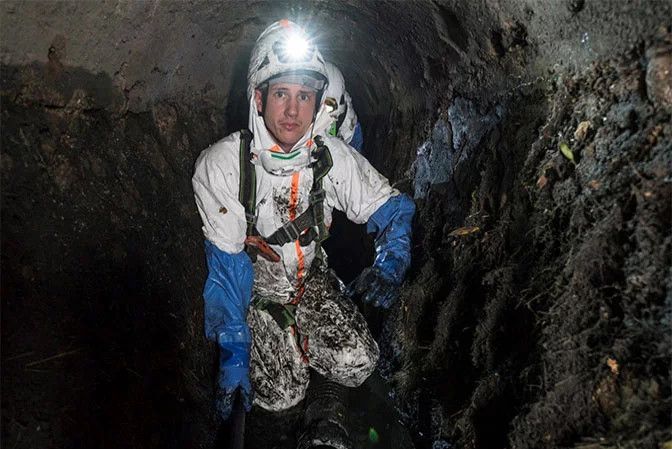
{"x": 535, "y": 136}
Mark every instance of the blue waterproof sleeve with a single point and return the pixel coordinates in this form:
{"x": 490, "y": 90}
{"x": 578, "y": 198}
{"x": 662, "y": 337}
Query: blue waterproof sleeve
{"x": 357, "y": 139}
{"x": 227, "y": 295}
{"x": 392, "y": 224}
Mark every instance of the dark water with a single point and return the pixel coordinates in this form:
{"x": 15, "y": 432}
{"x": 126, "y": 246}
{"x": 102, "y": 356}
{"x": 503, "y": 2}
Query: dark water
{"x": 374, "y": 420}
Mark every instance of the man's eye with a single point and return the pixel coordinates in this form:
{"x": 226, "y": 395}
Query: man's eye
{"x": 279, "y": 94}
{"x": 304, "y": 97}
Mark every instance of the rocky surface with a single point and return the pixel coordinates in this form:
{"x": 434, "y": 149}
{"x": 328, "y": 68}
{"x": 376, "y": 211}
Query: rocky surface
{"x": 535, "y": 136}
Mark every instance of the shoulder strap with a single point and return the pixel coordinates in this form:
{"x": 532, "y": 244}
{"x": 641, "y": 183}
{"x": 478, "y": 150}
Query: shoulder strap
{"x": 247, "y": 193}
{"x": 321, "y": 167}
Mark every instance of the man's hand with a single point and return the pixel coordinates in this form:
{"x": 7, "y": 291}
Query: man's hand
{"x": 373, "y": 287}
{"x": 233, "y": 382}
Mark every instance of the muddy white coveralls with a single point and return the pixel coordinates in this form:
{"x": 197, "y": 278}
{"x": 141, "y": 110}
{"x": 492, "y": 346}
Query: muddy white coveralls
{"x": 328, "y": 334}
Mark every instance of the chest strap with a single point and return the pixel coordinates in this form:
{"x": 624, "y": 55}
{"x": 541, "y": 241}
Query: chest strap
{"x": 308, "y": 226}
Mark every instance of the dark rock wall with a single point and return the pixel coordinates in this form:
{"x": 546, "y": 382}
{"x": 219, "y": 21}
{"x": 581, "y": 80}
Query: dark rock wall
{"x": 101, "y": 265}
{"x": 105, "y": 107}
{"x": 541, "y": 318}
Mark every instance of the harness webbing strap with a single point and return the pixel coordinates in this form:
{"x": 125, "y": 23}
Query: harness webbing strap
{"x": 308, "y": 226}
{"x": 313, "y": 217}
{"x": 247, "y": 191}
{"x": 320, "y": 169}
{"x": 247, "y": 194}
{"x": 292, "y": 230}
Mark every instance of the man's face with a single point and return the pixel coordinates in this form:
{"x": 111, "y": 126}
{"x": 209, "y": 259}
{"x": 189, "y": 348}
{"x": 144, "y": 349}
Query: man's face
{"x": 288, "y": 113}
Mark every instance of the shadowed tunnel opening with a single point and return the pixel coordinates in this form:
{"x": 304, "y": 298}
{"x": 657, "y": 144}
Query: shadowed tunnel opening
{"x": 534, "y": 137}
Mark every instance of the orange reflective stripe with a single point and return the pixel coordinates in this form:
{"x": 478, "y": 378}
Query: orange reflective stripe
{"x": 298, "y": 295}
{"x": 284, "y": 23}
{"x": 299, "y": 255}
{"x": 293, "y": 201}
{"x": 276, "y": 149}
{"x": 294, "y": 196}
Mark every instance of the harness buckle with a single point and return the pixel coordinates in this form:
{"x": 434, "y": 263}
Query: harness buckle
{"x": 289, "y": 232}
{"x": 251, "y": 219}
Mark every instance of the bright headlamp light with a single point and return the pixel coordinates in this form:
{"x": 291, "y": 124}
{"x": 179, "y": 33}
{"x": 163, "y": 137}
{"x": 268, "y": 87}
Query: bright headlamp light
{"x": 295, "y": 48}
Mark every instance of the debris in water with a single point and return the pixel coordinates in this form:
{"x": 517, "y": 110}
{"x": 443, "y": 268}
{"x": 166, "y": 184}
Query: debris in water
{"x": 441, "y": 444}
{"x": 594, "y": 184}
{"x": 373, "y": 435}
{"x": 576, "y": 6}
{"x": 659, "y": 76}
{"x": 582, "y": 130}
{"x": 466, "y": 230}
{"x": 613, "y": 365}
{"x": 567, "y": 152}
{"x": 585, "y": 38}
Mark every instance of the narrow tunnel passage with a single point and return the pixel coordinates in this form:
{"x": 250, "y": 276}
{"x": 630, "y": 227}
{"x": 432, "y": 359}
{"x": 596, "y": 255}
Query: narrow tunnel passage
{"x": 534, "y": 136}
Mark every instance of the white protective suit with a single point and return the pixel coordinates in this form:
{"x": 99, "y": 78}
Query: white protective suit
{"x": 332, "y": 335}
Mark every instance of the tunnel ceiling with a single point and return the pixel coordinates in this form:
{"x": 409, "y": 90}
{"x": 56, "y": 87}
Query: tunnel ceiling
{"x": 181, "y": 50}
{"x": 399, "y": 58}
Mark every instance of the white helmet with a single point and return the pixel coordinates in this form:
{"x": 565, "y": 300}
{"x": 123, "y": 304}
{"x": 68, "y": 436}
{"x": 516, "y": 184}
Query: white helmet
{"x": 285, "y": 53}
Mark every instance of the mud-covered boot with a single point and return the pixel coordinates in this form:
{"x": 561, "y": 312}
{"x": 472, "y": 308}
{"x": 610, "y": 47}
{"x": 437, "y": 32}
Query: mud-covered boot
{"x": 325, "y": 417}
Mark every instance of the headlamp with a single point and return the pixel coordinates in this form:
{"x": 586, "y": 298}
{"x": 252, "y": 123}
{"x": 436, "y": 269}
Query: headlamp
{"x": 295, "y": 48}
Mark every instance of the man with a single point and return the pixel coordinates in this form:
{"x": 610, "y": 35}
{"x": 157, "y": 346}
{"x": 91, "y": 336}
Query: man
{"x": 278, "y": 317}
{"x": 338, "y": 118}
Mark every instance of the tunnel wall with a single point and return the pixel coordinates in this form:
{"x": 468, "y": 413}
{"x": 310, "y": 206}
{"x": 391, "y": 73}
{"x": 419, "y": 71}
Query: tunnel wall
{"x": 105, "y": 107}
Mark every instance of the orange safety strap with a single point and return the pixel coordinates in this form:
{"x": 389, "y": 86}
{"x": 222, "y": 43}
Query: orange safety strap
{"x": 293, "y": 201}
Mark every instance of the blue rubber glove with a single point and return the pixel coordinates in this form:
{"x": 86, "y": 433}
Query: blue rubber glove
{"x": 227, "y": 294}
{"x": 379, "y": 284}
{"x": 233, "y": 375}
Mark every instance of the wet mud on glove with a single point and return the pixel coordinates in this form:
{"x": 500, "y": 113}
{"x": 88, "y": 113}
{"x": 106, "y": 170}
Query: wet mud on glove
{"x": 374, "y": 288}
{"x": 379, "y": 284}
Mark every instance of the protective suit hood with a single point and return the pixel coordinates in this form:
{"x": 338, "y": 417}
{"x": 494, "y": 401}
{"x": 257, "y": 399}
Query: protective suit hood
{"x": 268, "y": 62}
{"x": 337, "y": 107}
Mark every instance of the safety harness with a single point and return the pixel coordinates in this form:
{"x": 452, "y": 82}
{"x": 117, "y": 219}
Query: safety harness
{"x": 306, "y": 228}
